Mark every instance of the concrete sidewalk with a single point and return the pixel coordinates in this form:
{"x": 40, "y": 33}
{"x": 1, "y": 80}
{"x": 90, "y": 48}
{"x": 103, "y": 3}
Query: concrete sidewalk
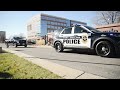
{"x": 43, "y": 46}
{"x": 63, "y": 71}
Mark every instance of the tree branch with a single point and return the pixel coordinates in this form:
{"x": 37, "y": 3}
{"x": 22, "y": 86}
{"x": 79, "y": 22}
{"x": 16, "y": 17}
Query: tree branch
{"x": 105, "y": 18}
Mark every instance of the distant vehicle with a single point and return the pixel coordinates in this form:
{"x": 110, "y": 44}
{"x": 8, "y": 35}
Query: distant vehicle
{"x": 31, "y": 42}
{"x": 16, "y": 41}
{"x": 105, "y": 44}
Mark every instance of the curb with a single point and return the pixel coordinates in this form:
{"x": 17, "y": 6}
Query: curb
{"x": 43, "y": 46}
{"x": 63, "y": 71}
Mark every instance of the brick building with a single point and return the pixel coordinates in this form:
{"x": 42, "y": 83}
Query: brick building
{"x": 113, "y": 27}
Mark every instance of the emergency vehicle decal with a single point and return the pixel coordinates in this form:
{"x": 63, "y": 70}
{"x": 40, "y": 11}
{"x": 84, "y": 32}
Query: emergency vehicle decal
{"x": 84, "y": 39}
{"x": 79, "y": 41}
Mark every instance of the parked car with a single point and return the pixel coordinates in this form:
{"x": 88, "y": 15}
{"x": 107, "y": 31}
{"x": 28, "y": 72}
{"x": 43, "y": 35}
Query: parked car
{"x": 105, "y": 44}
{"x": 16, "y": 41}
{"x": 30, "y": 42}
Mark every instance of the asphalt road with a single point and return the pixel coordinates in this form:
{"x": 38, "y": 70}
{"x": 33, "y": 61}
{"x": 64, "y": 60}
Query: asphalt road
{"x": 81, "y": 60}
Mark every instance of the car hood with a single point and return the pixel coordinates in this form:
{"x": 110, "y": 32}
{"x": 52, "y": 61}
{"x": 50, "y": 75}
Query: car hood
{"x": 108, "y": 34}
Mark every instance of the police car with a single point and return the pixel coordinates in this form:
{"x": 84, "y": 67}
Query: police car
{"x": 105, "y": 44}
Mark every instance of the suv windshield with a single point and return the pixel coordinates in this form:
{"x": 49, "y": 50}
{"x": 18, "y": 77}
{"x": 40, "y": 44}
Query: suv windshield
{"x": 57, "y": 32}
{"x": 17, "y": 38}
{"x": 92, "y": 29}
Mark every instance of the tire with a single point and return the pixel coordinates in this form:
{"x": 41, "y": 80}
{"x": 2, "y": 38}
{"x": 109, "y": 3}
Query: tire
{"x": 25, "y": 46}
{"x": 58, "y": 47}
{"x": 104, "y": 49}
{"x": 16, "y": 45}
{"x": 7, "y": 45}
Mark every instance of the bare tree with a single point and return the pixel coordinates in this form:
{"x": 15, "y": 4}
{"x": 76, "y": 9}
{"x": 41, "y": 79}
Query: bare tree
{"x": 21, "y": 35}
{"x": 107, "y": 17}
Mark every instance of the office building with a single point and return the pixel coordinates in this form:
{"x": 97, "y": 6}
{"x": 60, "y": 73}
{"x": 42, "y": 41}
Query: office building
{"x": 43, "y": 24}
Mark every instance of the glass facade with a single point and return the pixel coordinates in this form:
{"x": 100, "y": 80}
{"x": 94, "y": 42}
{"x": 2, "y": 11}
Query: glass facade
{"x": 45, "y": 24}
{"x": 43, "y": 28}
{"x": 67, "y": 23}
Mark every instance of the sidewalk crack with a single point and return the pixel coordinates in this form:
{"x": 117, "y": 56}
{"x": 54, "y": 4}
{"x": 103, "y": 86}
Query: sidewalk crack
{"x": 79, "y": 75}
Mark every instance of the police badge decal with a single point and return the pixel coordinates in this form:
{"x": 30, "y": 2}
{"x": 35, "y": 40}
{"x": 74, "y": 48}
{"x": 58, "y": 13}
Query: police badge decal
{"x": 84, "y": 39}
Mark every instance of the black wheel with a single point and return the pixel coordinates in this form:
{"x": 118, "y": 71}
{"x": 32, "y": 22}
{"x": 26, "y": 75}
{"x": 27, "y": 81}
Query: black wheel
{"x": 16, "y": 45}
{"x": 25, "y": 46}
{"x": 58, "y": 47}
{"x": 104, "y": 49}
{"x": 7, "y": 45}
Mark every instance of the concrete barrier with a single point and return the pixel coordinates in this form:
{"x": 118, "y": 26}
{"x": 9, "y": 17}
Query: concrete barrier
{"x": 0, "y": 49}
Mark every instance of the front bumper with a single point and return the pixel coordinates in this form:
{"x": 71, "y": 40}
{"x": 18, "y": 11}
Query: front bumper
{"x": 21, "y": 44}
{"x": 117, "y": 49}
{"x": 119, "y": 45}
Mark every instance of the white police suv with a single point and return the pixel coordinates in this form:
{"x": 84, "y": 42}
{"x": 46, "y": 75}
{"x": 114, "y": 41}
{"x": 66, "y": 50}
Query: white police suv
{"x": 105, "y": 44}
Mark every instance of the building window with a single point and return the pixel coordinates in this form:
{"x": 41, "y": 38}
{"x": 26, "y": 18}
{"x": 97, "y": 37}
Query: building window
{"x": 51, "y": 26}
{"x": 64, "y": 24}
{"x": 57, "y": 19}
{"x": 48, "y": 22}
{"x": 49, "y": 31}
{"x": 53, "y": 19}
{"x": 44, "y": 17}
{"x": 52, "y": 23}
{"x": 50, "y": 18}
{"x": 55, "y": 27}
{"x": 64, "y": 21}
{"x": 60, "y": 27}
{"x": 55, "y": 23}
{"x": 58, "y": 23}
{"x": 48, "y": 26}
{"x": 61, "y": 20}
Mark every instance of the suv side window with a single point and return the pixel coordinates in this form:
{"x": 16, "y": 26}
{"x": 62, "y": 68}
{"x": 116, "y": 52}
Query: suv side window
{"x": 67, "y": 31}
{"x": 79, "y": 30}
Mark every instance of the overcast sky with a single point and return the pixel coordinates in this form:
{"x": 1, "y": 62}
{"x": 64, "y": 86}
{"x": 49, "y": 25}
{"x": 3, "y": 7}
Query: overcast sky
{"x": 15, "y": 22}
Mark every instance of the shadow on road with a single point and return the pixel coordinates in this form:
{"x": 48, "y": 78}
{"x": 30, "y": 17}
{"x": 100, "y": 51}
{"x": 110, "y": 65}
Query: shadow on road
{"x": 5, "y": 75}
{"x": 81, "y": 51}
{"x": 75, "y": 61}
{"x": 24, "y": 47}
{"x": 88, "y": 52}
{"x": 19, "y": 50}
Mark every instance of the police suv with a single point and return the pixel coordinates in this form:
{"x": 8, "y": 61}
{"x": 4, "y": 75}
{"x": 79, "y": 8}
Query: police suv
{"x": 105, "y": 44}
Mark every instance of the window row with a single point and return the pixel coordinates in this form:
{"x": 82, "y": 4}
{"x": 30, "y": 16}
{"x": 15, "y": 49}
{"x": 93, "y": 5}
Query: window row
{"x": 56, "y": 23}
{"x": 50, "y": 31}
{"x": 54, "y": 27}
{"x": 53, "y": 18}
